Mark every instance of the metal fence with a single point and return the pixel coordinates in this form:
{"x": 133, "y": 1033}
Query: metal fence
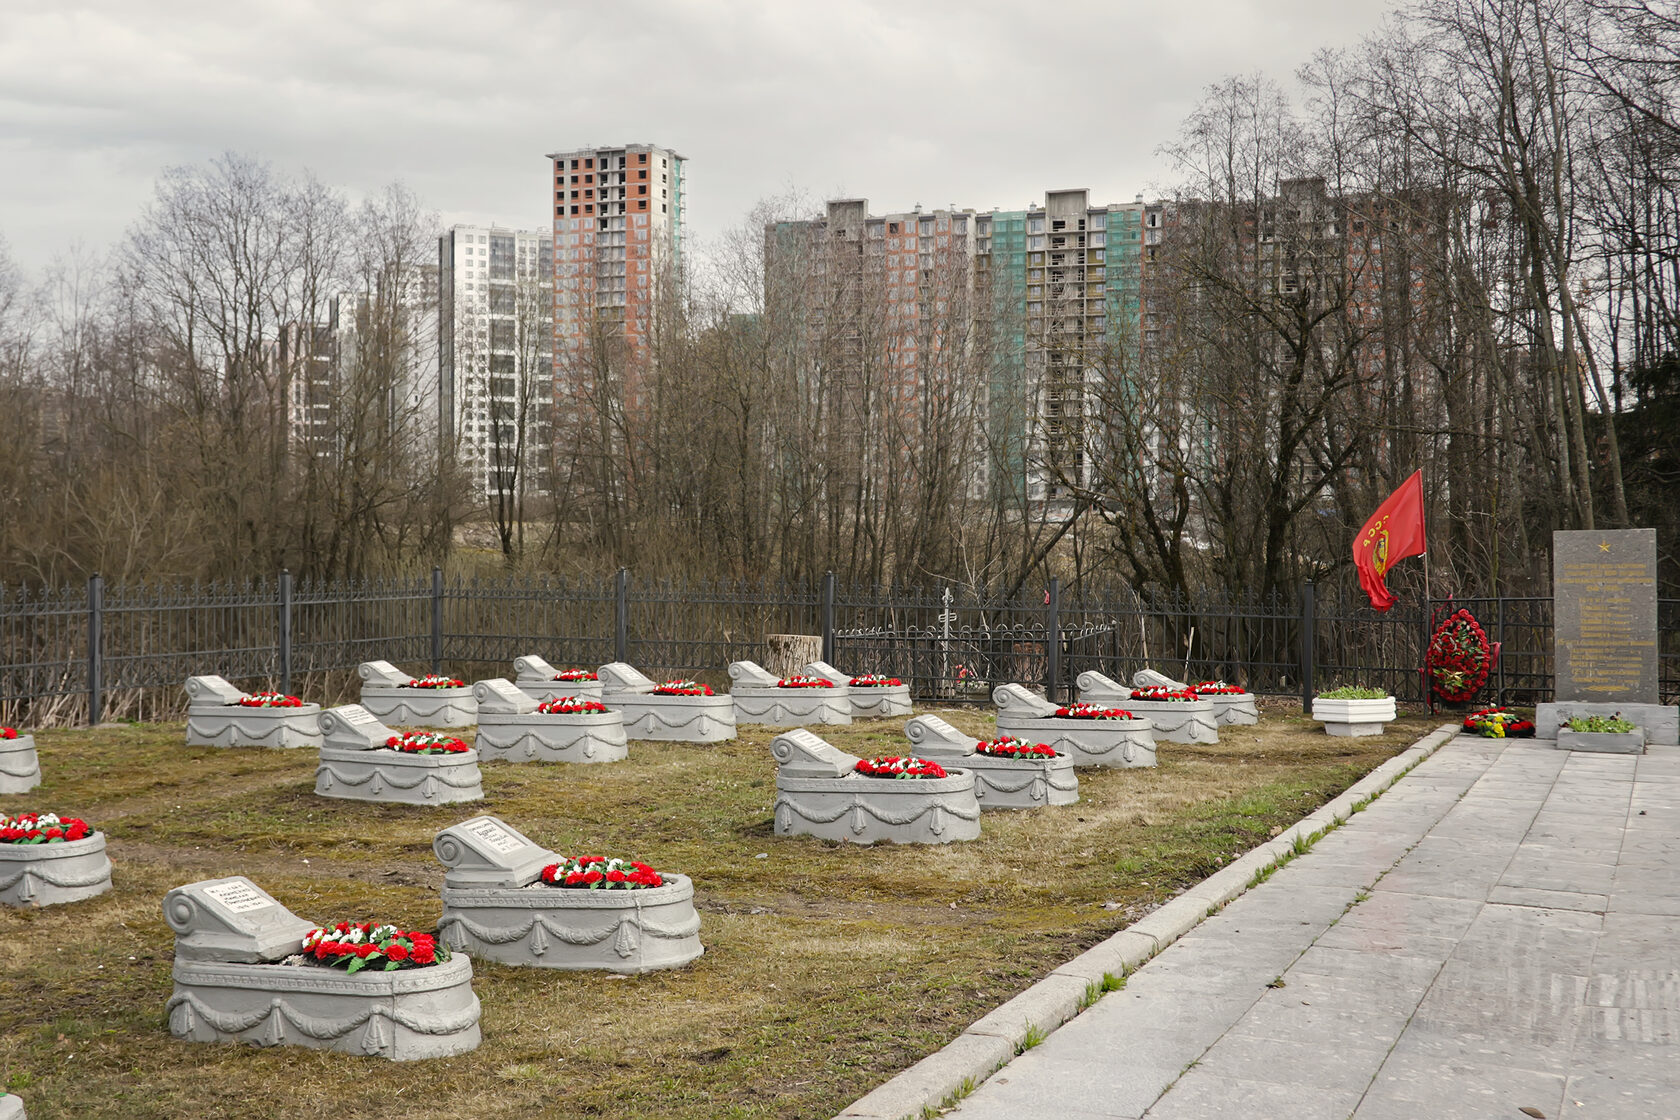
{"x": 73, "y": 655}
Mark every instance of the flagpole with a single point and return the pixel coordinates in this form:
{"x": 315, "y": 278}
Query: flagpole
{"x": 1428, "y": 693}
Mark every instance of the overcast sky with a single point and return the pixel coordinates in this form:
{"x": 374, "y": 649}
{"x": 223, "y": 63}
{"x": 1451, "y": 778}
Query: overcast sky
{"x": 967, "y": 101}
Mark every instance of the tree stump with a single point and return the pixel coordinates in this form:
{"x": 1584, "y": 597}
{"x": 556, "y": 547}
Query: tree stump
{"x": 787, "y": 654}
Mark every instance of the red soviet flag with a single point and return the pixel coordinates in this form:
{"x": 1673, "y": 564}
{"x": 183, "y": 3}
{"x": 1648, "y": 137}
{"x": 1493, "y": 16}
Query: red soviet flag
{"x": 1394, "y": 532}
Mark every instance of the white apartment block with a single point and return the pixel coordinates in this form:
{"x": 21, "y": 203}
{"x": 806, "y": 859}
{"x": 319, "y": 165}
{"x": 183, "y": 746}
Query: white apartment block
{"x": 495, "y": 362}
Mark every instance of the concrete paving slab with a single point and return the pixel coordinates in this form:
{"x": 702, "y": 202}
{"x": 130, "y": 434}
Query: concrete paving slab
{"x": 1448, "y": 1091}
{"x": 1550, "y": 899}
{"x": 1202, "y": 1095}
{"x": 1607, "y": 1096}
{"x": 1526, "y": 944}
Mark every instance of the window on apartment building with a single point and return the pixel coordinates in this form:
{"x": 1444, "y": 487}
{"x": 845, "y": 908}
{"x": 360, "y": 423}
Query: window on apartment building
{"x": 642, "y": 189}
{"x": 642, "y": 174}
{"x": 589, "y": 163}
{"x": 641, "y": 157}
{"x": 574, "y": 209}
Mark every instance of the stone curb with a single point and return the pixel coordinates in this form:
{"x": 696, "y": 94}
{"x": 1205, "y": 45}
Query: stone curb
{"x": 992, "y": 1041}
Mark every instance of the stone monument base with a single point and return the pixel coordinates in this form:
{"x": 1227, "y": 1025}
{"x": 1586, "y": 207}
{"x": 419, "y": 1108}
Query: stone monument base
{"x": 1660, "y": 721}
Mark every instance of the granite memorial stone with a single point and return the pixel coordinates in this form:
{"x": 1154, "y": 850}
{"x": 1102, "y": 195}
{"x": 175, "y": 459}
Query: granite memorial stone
{"x": 1604, "y": 614}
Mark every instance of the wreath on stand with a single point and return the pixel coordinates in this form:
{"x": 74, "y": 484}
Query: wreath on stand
{"x": 1459, "y": 658}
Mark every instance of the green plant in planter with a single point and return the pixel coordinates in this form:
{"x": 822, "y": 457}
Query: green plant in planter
{"x": 1612, "y": 725}
{"x": 1354, "y": 692}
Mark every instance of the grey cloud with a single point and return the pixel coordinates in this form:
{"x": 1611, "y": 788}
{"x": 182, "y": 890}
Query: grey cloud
{"x": 980, "y": 104}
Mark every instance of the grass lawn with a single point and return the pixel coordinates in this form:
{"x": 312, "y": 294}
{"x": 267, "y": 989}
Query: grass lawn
{"x": 827, "y": 968}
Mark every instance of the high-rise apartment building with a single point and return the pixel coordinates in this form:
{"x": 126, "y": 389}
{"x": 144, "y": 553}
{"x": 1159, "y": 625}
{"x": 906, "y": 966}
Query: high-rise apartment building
{"x": 1048, "y": 299}
{"x": 495, "y": 362}
{"x": 618, "y": 229}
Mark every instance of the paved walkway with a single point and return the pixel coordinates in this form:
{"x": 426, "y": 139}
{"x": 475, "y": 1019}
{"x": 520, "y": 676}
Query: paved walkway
{"x": 1498, "y": 932}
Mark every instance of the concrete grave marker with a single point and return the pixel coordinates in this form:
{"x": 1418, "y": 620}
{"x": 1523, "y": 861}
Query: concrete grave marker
{"x": 233, "y": 983}
{"x": 819, "y": 792}
{"x": 353, "y": 728}
{"x": 511, "y": 729}
{"x": 231, "y": 919}
{"x": 498, "y": 696}
{"x": 534, "y": 676}
{"x": 758, "y": 699}
{"x": 382, "y": 674}
{"x": 488, "y": 852}
{"x": 215, "y": 718}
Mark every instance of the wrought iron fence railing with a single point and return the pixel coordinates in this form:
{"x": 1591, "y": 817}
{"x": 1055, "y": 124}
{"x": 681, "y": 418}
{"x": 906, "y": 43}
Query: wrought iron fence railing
{"x": 72, "y": 655}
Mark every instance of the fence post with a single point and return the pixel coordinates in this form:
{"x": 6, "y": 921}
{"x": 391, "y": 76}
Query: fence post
{"x": 621, "y": 615}
{"x": 1053, "y": 640}
{"x": 286, "y": 631}
{"x": 96, "y": 648}
{"x": 1499, "y": 641}
{"x": 1309, "y": 639}
{"x": 828, "y": 617}
{"x": 437, "y": 620}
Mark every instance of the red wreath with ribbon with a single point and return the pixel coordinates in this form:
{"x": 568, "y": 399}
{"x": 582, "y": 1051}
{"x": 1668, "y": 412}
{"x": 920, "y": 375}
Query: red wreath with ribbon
{"x": 1460, "y": 657}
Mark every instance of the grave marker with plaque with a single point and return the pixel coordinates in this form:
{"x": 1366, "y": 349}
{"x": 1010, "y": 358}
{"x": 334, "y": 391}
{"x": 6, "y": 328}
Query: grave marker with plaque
{"x": 241, "y": 976}
{"x": 496, "y": 906}
{"x": 231, "y": 919}
{"x": 1025, "y": 782}
{"x": 1114, "y": 743}
{"x": 819, "y": 792}
{"x": 511, "y": 728}
{"x": 357, "y": 764}
{"x": 1604, "y": 616}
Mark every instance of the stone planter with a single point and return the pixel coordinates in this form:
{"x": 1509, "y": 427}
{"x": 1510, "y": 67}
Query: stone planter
{"x": 36, "y": 875}
{"x": 535, "y": 678}
{"x": 819, "y": 793}
{"x": 11, "y": 1107}
{"x": 386, "y": 695}
{"x": 1602, "y": 742}
{"x": 999, "y": 783}
{"x": 496, "y": 906}
{"x": 684, "y": 719}
{"x": 868, "y": 702}
{"x": 758, "y": 700}
{"x": 356, "y": 765}
{"x": 215, "y": 718}
{"x": 511, "y": 729}
{"x": 1354, "y": 717}
{"x": 1177, "y": 721}
{"x": 231, "y": 938}
{"x": 1114, "y": 743}
{"x": 20, "y": 767}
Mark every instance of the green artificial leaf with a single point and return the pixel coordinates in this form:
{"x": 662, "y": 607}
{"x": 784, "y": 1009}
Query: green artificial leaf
{"x": 356, "y": 965}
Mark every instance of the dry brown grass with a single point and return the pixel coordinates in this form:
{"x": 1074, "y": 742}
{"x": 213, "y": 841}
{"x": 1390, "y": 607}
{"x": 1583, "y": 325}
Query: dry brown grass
{"x": 827, "y": 968}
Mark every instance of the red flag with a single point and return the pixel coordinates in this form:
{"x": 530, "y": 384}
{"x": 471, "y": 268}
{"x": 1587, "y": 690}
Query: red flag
{"x": 1393, "y": 533}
